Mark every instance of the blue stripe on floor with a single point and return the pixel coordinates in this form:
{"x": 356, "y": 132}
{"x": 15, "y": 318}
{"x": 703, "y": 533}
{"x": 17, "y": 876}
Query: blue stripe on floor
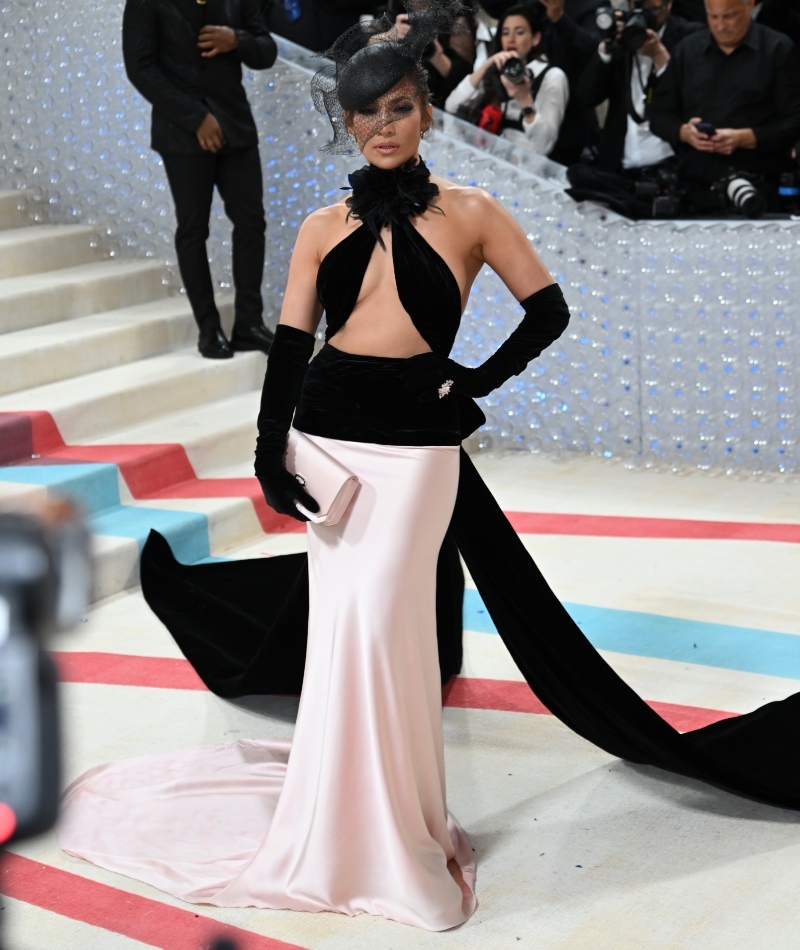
{"x": 95, "y": 487}
{"x": 670, "y": 638}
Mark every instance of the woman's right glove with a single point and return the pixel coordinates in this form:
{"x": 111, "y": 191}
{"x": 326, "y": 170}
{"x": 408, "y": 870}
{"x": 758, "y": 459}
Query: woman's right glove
{"x": 286, "y": 366}
{"x": 546, "y": 318}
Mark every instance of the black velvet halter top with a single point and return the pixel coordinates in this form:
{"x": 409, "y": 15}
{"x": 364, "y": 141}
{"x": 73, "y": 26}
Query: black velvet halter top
{"x": 426, "y": 286}
{"x": 364, "y": 398}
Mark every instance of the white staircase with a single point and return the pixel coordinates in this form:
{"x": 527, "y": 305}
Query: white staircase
{"x": 101, "y": 347}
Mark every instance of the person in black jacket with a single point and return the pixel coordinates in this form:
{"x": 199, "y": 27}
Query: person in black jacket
{"x": 627, "y": 80}
{"x": 633, "y": 165}
{"x": 185, "y": 57}
{"x": 729, "y": 105}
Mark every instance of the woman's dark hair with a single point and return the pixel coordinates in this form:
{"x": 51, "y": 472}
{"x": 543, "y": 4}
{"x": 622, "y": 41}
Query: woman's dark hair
{"x": 535, "y": 14}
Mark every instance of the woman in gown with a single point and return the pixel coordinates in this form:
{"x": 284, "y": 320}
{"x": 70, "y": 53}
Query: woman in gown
{"x": 354, "y": 819}
{"x": 351, "y": 815}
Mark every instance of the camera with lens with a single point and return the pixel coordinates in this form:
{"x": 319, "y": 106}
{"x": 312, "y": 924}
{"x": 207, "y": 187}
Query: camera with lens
{"x": 45, "y": 576}
{"x": 739, "y": 194}
{"x": 659, "y": 193}
{"x": 514, "y": 70}
{"x": 637, "y": 21}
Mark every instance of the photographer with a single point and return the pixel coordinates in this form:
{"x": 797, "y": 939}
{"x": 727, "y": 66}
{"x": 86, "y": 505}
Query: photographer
{"x": 729, "y": 105}
{"x": 571, "y": 38}
{"x": 626, "y": 70}
{"x": 503, "y": 96}
{"x": 449, "y": 58}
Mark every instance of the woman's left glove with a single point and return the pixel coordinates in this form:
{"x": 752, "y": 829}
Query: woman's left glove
{"x": 286, "y": 367}
{"x": 546, "y": 318}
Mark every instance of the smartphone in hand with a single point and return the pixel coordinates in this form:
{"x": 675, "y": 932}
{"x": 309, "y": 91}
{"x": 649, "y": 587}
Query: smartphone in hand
{"x": 705, "y": 128}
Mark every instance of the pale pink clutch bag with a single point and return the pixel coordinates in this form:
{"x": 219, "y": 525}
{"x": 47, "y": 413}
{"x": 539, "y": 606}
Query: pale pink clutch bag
{"x": 328, "y": 482}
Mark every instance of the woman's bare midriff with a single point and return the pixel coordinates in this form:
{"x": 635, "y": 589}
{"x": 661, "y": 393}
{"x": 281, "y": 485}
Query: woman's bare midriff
{"x": 379, "y": 325}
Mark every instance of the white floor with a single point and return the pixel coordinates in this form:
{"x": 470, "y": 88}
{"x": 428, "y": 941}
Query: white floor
{"x": 575, "y": 849}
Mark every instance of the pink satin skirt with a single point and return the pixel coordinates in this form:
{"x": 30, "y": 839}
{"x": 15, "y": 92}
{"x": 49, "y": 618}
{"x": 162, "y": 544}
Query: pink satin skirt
{"x": 350, "y": 816}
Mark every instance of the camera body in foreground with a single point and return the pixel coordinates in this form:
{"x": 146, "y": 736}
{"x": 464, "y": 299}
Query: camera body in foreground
{"x": 44, "y": 587}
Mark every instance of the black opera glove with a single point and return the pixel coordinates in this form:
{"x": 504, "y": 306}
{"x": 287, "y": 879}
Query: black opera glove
{"x": 286, "y": 367}
{"x": 281, "y": 491}
{"x": 546, "y": 318}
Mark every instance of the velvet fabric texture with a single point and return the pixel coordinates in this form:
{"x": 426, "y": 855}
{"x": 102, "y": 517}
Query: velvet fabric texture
{"x": 243, "y": 626}
{"x": 364, "y": 399}
{"x": 388, "y": 196}
{"x": 425, "y": 284}
{"x": 244, "y": 637}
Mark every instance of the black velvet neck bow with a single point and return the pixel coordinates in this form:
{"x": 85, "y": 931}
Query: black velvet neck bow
{"x": 382, "y": 196}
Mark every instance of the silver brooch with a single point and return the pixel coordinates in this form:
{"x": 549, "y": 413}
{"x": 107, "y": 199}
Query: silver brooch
{"x": 444, "y": 389}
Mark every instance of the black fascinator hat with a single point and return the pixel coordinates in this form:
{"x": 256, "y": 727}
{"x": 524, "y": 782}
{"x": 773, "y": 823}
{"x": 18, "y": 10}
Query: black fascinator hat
{"x": 369, "y": 59}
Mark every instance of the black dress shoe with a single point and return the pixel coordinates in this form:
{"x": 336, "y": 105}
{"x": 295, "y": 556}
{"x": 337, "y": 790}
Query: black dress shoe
{"x": 256, "y": 337}
{"x": 213, "y": 344}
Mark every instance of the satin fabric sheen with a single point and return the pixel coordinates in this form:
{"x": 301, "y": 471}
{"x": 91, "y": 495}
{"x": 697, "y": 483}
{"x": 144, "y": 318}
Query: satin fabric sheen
{"x": 351, "y": 815}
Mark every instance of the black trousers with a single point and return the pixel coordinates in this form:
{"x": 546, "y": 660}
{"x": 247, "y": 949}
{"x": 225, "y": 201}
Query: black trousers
{"x": 237, "y": 176}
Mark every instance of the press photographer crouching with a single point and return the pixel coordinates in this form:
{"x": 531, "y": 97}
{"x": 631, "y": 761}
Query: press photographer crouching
{"x": 516, "y": 92}
{"x": 729, "y": 105}
{"x": 635, "y": 171}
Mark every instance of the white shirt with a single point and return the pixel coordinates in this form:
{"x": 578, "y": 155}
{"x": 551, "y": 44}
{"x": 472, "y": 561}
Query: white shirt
{"x": 641, "y": 146}
{"x": 483, "y": 40}
{"x": 550, "y": 104}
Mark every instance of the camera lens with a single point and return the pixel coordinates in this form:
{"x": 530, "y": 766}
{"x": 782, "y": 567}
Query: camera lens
{"x": 514, "y": 70}
{"x": 745, "y": 197}
{"x": 635, "y": 32}
{"x": 604, "y": 21}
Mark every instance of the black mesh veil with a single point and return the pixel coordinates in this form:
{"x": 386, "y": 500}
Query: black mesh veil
{"x": 369, "y": 59}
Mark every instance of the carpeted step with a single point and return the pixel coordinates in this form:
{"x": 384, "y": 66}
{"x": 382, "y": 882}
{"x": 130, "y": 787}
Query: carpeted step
{"x": 13, "y": 208}
{"x": 45, "y": 247}
{"x": 215, "y": 436}
{"x": 73, "y": 348}
{"x": 101, "y": 402}
{"x": 39, "y": 299}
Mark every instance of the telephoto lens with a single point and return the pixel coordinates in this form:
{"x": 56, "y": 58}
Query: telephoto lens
{"x": 746, "y": 198}
{"x": 606, "y": 22}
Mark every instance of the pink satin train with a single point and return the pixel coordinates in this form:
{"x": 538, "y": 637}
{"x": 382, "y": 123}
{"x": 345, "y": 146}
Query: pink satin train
{"x": 351, "y": 815}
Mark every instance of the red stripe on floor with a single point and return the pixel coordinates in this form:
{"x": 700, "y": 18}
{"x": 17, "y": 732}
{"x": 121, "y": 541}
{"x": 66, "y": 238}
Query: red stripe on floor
{"x": 516, "y": 696}
{"x": 619, "y": 526}
{"x": 139, "y": 918}
{"x": 122, "y": 669}
{"x": 117, "y": 669}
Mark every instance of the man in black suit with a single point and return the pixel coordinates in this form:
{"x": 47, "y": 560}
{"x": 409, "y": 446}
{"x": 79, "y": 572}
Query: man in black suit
{"x": 729, "y": 105}
{"x": 628, "y": 152}
{"x": 185, "y": 57}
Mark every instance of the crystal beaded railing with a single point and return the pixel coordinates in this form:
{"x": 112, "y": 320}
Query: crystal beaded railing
{"x": 682, "y": 347}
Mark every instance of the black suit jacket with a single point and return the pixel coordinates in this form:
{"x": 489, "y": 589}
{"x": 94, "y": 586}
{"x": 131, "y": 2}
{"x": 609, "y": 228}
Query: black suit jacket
{"x": 601, "y": 81}
{"x": 163, "y": 61}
